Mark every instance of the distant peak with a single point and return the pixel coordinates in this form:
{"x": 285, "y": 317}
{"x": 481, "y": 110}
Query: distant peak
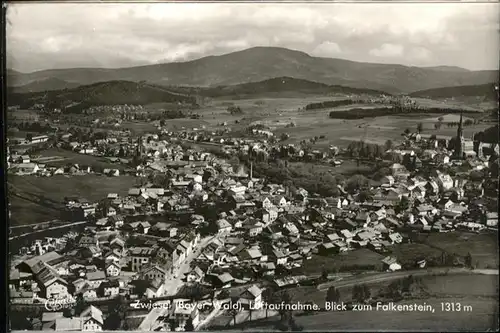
{"x": 448, "y": 68}
{"x": 271, "y": 49}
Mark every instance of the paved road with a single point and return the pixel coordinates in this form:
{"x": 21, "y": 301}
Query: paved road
{"x": 48, "y": 229}
{"x": 216, "y": 312}
{"x": 173, "y": 284}
{"x": 380, "y": 277}
{"x": 151, "y": 318}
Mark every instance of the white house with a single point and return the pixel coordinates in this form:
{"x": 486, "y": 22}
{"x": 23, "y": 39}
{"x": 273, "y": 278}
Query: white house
{"x": 391, "y": 264}
{"x": 223, "y": 226}
{"x": 92, "y": 319}
{"x": 113, "y": 268}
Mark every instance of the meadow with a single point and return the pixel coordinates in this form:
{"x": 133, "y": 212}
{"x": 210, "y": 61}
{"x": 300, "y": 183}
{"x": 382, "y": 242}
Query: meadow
{"x": 283, "y": 109}
{"x": 278, "y": 112}
{"x": 41, "y": 198}
{"x": 360, "y": 257}
{"x": 482, "y": 247}
{"x": 64, "y": 157}
{"x": 477, "y": 291}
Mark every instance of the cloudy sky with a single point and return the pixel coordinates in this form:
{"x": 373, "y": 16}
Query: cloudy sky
{"x": 44, "y": 36}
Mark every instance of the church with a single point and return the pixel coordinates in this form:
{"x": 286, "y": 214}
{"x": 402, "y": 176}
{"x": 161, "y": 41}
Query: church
{"x": 463, "y": 148}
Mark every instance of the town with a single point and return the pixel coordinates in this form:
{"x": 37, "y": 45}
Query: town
{"x": 206, "y": 223}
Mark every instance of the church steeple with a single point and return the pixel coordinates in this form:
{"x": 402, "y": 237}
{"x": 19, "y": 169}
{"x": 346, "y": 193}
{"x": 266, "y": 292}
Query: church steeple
{"x": 460, "y": 130}
{"x": 460, "y": 138}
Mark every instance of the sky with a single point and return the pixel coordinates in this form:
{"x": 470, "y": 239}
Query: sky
{"x": 111, "y": 35}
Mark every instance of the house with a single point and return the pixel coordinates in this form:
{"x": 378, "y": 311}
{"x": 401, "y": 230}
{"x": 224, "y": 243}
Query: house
{"x": 109, "y": 288}
{"x": 67, "y": 324}
{"x": 51, "y": 285}
{"x": 182, "y": 313}
{"x": 156, "y": 288}
{"x": 432, "y": 187}
{"x": 140, "y": 256}
{"x": 223, "y": 280}
{"x": 365, "y": 236}
{"x": 116, "y": 220}
{"x": 141, "y": 227}
{"x": 267, "y": 203}
{"x": 277, "y": 256}
{"x": 391, "y": 264}
{"x": 492, "y": 219}
{"x": 425, "y": 210}
{"x": 26, "y": 168}
{"x": 113, "y": 268}
{"x": 252, "y": 295}
{"x": 114, "y": 255}
{"x": 195, "y": 275}
{"x": 254, "y": 229}
{"x": 378, "y": 215}
{"x": 92, "y": 319}
{"x": 279, "y": 201}
{"x": 445, "y": 181}
{"x": 442, "y": 158}
{"x": 327, "y": 248}
{"x": 267, "y": 215}
{"x": 154, "y": 272}
{"x": 111, "y": 211}
{"x": 291, "y": 229}
{"x": 332, "y": 237}
{"x": 273, "y": 231}
{"x": 39, "y": 139}
{"x": 395, "y": 238}
{"x": 111, "y": 172}
{"x": 348, "y": 236}
{"x": 397, "y": 168}
{"x": 88, "y": 241}
{"x": 117, "y": 244}
{"x": 387, "y": 180}
{"x": 94, "y": 279}
{"x": 223, "y": 227}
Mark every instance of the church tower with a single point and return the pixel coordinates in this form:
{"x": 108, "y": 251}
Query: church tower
{"x": 139, "y": 148}
{"x": 459, "y": 151}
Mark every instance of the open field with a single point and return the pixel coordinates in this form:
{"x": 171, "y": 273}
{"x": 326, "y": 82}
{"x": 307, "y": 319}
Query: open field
{"x": 364, "y": 106}
{"x": 170, "y": 124}
{"x": 467, "y": 285}
{"x": 45, "y": 195}
{"x": 348, "y": 167}
{"x": 466, "y": 103}
{"x": 477, "y": 291}
{"x": 63, "y": 157}
{"x": 378, "y": 129}
{"x": 23, "y": 115}
{"x": 482, "y": 247}
{"x": 482, "y": 317}
{"x": 277, "y": 112}
{"x": 361, "y": 257}
{"x": 409, "y": 254}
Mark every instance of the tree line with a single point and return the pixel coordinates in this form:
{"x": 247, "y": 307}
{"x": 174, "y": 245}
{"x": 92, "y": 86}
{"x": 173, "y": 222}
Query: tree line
{"x": 329, "y": 104}
{"x": 359, "y": 113}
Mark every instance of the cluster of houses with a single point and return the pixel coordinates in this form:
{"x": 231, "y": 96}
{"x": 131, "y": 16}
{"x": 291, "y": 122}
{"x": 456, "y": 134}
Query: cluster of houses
{"x": 206, "y": 223}
{"x": 114, "y": 108}
{"x": 262, "y": 227}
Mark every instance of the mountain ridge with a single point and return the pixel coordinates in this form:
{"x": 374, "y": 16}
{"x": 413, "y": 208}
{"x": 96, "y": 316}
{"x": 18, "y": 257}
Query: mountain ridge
{"x": 100, "y": 93}
{"x": 487, "y": 90}
{"x": 261, "y": 63}
{"x": 275, "y": 85}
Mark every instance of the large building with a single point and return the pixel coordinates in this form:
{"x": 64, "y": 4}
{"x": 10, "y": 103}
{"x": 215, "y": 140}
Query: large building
{"x": 459, "y": 143}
